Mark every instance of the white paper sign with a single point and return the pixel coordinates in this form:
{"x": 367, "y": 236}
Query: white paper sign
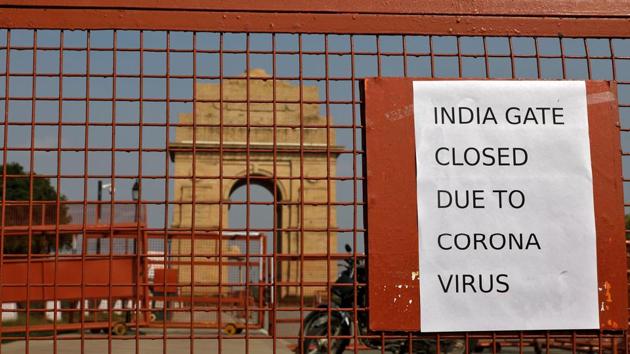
{"x": 505, "y": 206}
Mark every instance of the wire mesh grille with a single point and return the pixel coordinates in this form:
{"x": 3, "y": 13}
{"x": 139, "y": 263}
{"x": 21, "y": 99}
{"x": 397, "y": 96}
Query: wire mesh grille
{"x": 231, "y": 169}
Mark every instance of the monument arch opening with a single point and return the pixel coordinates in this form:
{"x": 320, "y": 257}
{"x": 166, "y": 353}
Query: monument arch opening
{"x": 257, "y": 207}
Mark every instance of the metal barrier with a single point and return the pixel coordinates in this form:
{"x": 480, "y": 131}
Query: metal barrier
{"x": 82, "y": 280}
{"x": 237, "y": 127}
{"x": 176, "y": 306}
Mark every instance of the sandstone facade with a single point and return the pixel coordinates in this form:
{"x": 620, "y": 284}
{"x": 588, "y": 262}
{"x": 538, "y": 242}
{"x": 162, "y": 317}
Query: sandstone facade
{"x": 284, "y": 146}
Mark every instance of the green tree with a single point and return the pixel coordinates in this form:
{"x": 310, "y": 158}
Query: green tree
{"x": 19, "y": 189}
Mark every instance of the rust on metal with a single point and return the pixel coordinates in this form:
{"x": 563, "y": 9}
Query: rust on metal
{"x": 392, "y": 211}
{"x": 603, "y": 116}
{"x": 610, "y": 8}
{"x": 303, "y": 22}
{"x": 80, "y": 105}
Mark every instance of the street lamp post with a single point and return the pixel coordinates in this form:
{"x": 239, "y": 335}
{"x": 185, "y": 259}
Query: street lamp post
{"x": 135, "y": 195}
{"x": 135, "y": 192}
{"x": 99, "y": 197}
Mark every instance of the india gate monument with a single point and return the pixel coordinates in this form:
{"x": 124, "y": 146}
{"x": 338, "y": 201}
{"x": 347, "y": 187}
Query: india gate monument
{"x": 298, "y": 130}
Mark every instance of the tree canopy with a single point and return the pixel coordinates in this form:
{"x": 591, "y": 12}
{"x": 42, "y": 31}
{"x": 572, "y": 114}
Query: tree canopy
{"x": 19, "y": 189}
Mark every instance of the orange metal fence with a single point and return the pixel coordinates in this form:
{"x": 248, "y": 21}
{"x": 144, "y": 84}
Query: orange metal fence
{"x": 229, "y": 139}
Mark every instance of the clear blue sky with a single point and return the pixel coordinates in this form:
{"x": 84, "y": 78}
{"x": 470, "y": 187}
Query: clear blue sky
{"x": 235, "y": 64}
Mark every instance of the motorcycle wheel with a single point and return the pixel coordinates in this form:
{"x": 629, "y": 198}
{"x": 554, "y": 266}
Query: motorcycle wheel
{"x": 428, "y": 346}
{"x": 422, "y": 346}
{"x": 318, "y": 327}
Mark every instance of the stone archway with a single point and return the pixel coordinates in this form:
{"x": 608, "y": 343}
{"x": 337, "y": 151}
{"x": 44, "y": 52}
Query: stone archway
{"x": 286, "y": 142}
{"x": 275, "y": 221}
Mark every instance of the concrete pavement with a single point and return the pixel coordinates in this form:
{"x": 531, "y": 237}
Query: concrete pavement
{"x": 65, "y": 344}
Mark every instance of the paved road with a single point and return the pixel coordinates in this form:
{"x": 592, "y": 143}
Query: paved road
{"x": 145, "y": 345}
{"x": 151, "y": 342}
{"x": 229, "y": 345}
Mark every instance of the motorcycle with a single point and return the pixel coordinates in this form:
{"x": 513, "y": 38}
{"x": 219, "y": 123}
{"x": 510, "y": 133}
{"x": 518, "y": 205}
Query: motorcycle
{"x": 327, "y": 330}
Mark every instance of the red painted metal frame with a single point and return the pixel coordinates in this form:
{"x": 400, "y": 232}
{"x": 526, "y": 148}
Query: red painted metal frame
{"x": 70, "y": 277}
{"x": 338, "y": 20}
{"x": 79, "y": 278}
{"x": 392, "y": 204}
{"x": 67, "y": 274}
{"x": 392, "y": 211}
{"x": 611, "y": 8}
{"x": 166, "y": 284}
{"x": 491, "y": 17}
